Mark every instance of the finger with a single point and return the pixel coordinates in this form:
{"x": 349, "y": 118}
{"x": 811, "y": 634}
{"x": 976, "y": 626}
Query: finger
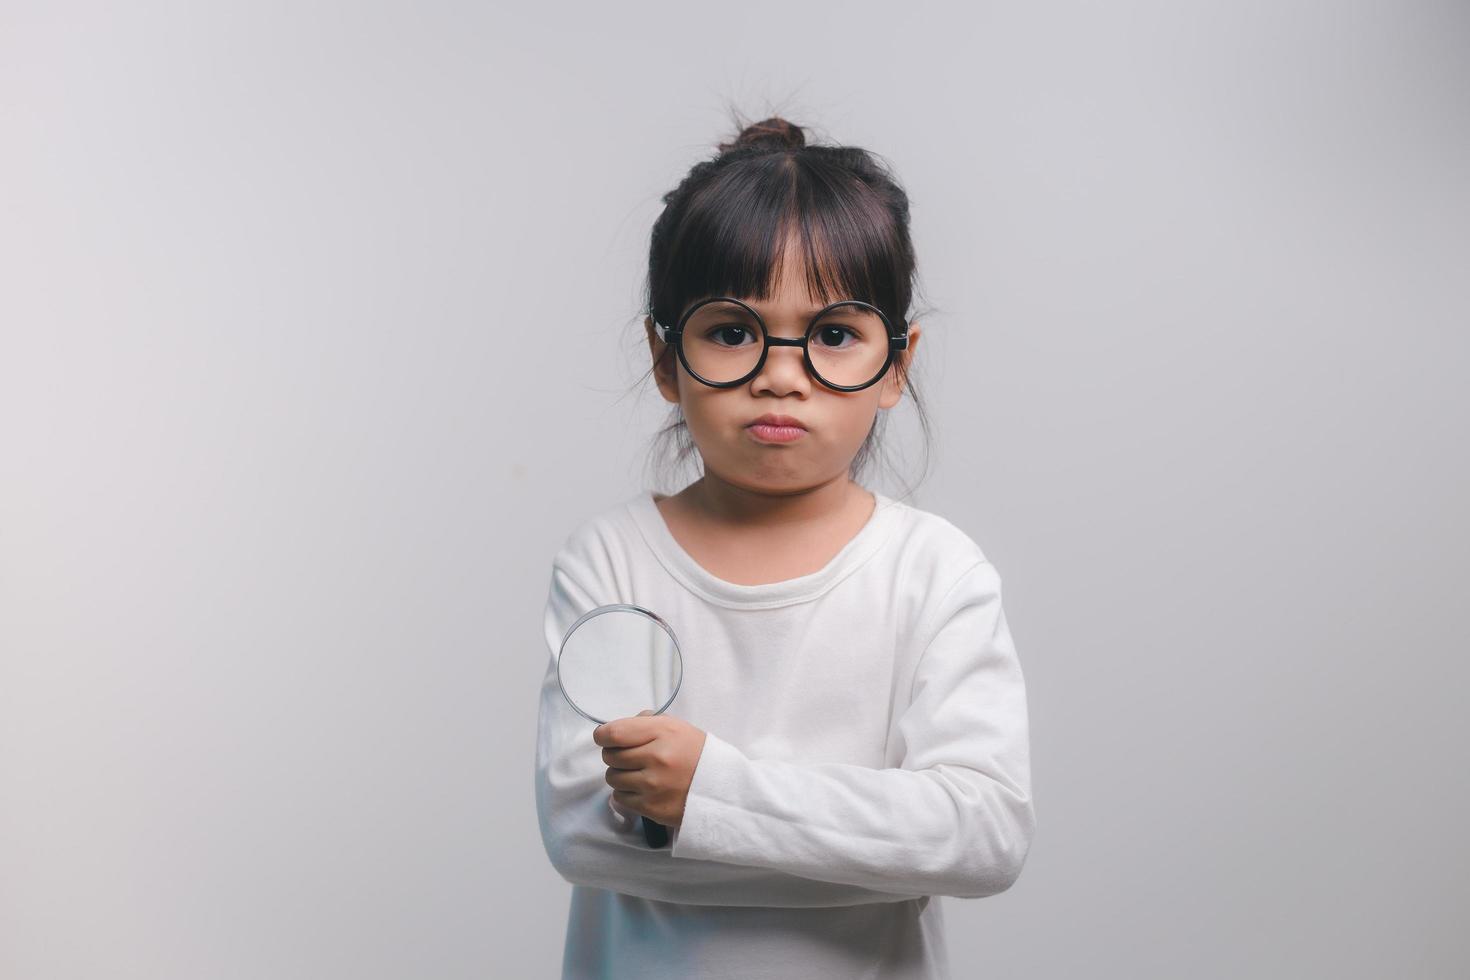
{"x": 628, "y": 800}
{"x": 624, "y": 733}
{"x": 625, "y": 780}
{"x": 632, "y": 758}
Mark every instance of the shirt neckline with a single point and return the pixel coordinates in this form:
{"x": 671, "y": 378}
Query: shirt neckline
{"x": 695, "y": 577}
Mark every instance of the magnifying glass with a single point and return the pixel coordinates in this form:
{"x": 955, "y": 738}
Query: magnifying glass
{"x": 616, "y": 661}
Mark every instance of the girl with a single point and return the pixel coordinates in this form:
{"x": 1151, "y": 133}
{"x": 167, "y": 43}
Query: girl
{"x": 851, "y": 735}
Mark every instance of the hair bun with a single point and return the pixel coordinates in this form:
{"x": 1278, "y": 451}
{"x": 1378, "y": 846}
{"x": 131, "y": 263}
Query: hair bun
{"x": 774, "y": 134}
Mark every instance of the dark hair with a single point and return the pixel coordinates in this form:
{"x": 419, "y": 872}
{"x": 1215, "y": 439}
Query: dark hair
{"x": 723, "y": 228}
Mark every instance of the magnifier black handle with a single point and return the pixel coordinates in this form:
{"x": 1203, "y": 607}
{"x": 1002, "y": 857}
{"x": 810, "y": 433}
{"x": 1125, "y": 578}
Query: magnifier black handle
{"x": 656, "y": 834}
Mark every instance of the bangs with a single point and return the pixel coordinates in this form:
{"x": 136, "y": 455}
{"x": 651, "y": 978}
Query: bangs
{"x": 735, "y": 237}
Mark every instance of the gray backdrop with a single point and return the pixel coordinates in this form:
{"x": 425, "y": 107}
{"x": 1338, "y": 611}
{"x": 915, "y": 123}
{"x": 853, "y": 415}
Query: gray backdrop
{"x": 286, "y": 449}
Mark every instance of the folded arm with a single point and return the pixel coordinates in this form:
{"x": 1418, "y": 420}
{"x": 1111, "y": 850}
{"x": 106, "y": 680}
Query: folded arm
{"x": 955, "y": 819}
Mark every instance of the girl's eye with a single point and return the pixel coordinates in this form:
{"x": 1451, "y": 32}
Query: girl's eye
{"x": 729, "y": 335}
{"x": 834, "y": 334}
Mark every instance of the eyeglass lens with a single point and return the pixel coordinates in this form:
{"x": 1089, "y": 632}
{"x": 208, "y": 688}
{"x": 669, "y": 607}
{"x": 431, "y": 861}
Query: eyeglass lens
{"x": 723, "y": 341}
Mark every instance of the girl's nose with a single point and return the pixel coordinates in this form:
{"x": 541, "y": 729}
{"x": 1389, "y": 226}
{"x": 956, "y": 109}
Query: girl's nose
{"x": 784, "y": 371}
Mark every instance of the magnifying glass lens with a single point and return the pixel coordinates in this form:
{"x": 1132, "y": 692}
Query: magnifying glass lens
{"x": 619, "y": 662}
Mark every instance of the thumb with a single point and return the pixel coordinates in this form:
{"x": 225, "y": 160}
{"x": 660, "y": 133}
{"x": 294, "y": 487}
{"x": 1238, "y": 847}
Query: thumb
{"x": 623, "y": 817}
{"x": 645, "y": 711}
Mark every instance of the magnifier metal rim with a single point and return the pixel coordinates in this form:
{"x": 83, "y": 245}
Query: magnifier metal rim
{"x": 613, "y": 607}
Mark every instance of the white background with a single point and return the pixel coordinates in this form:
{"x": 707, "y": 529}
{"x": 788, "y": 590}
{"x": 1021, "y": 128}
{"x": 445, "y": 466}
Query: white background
{"x": 286, "y": 447}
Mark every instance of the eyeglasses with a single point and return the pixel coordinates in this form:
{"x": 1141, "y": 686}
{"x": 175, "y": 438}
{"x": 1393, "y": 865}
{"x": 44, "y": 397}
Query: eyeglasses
{"x": 847, "y": 346}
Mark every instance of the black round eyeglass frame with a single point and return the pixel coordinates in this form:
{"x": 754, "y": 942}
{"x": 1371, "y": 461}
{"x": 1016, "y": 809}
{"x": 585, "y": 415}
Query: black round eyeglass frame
{"x": 897, "y": 340}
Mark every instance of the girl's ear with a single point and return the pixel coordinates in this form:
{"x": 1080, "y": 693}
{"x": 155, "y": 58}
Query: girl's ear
{"x": 663, "y": 363}
{"x": 892, "y": 386}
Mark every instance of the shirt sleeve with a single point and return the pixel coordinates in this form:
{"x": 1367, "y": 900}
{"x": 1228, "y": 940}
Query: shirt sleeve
{"x": 956, "y": 818}
{"x": 589, "y": 843}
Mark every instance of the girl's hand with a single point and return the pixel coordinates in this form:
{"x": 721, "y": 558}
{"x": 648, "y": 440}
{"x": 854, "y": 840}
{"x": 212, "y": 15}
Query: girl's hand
{"x": 650, "y": 763}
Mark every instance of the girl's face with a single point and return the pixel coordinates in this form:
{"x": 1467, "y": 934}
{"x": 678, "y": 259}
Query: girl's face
{"x": 719, "y": 419}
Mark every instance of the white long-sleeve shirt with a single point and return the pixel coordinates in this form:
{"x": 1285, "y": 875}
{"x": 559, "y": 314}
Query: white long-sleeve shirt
{"x": 866, "y": 751}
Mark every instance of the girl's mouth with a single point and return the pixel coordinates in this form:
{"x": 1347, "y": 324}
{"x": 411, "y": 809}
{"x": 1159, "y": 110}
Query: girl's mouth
{"x": 763, "y": 432}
